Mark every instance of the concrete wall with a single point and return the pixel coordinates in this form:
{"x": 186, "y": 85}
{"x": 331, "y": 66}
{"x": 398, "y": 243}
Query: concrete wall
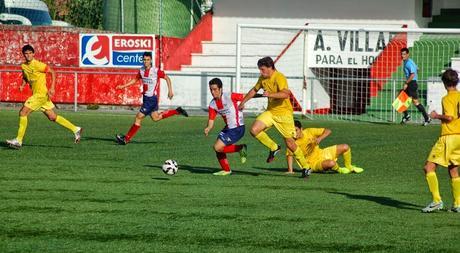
{"x": 314, "y": 9}
{"x": 439, "y": 4}
{"x": 227, "y": 14}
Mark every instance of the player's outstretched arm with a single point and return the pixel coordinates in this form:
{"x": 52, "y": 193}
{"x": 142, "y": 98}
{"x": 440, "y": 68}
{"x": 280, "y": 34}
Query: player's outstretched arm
{"x": 246, "y": 98}
{"x": 131, "y": 82}
{"x": 170, "y": 89}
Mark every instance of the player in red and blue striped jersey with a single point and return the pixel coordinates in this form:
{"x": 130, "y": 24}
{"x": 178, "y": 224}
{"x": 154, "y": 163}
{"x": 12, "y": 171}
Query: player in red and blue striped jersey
{"x": 226, "y": 104}
{"x": 150, "y": 84}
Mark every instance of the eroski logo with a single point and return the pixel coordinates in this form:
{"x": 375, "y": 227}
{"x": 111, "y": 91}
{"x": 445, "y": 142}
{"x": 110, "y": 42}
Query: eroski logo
{"x": 96, "y": 50}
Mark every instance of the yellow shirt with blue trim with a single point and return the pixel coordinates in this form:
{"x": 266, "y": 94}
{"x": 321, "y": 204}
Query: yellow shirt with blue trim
{"x": 275, "y": 83}
{"x": 451, "y": 107}
{"x": 34, "y": 72}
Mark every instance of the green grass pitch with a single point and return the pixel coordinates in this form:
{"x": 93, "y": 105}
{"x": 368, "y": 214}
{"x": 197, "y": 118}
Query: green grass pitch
{"x": 100, "y": 197}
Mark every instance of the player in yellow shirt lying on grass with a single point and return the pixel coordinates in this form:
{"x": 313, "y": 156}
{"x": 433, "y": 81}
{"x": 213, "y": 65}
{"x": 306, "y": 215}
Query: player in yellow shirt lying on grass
{"x": 320, "y": 160}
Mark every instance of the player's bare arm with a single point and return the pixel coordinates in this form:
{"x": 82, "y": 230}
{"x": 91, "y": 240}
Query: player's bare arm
{"x": 170, "y": 89}
{"x": 129, "y": 83}
{"x": 246, "y": 98}
{"x": 209, "y": 127}
{"x": 323, "y": 136}
{"x": 283, "y": 94}
{"x": 23, "y": 84}
{"x": 53, "y": 81}
{"x": 411, "y": 77}
{"x": 441, "y": 117}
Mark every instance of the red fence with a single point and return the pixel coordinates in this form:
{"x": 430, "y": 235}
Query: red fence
{"x": 58, "y": 47}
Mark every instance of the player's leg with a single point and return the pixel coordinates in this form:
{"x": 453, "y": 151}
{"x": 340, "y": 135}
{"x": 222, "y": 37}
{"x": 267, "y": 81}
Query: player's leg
{"x": 328, "y": 164}
{"x": 262, "y": 123}
{"x": 285, "y": 126}
{"x": 298, "y": 155}
{"x": 23, "y": 121}
{"x": 422, "y": 110}
{"x": 453, "y": 154}
{"x": 455, "y": 183}
{"x": 149, "y": 105}
{"x": 157, "y": 116}
{"x": 53, "y": 116}
{"x": 406, "y": 117}
{"x": 132, "y": 130}
{"x": 345, "y": 151}
{"x": 433, "y": 185}
{"x": 229, "y": 137}
{"x": 225, "y": 144}
{"x": 332, "y": 165}
{"x": 412, "y": 91}
{"x": 219, "y": 146}
{"x": 437, "y": 156}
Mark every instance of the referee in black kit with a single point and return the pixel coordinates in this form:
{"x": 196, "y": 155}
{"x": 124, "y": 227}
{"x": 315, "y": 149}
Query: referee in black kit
{"x": 411, "y": 87}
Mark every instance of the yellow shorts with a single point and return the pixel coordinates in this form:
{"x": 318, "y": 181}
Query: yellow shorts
{"x": 42, "y": 103}
{"x": 283, "y": 123}
{"x": 446, "y": 151}
{"x": 329, "y": 153}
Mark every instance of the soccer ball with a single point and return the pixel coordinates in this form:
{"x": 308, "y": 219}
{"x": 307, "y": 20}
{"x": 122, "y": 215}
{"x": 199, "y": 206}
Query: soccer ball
{"x": 170, "y": 167}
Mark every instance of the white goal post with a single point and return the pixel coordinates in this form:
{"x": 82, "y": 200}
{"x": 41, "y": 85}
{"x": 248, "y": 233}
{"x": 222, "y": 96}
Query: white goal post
{"x": 351, "y": 72}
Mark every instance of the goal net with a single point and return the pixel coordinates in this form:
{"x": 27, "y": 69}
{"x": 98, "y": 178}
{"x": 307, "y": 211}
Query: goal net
{"x": 352, "y": 73}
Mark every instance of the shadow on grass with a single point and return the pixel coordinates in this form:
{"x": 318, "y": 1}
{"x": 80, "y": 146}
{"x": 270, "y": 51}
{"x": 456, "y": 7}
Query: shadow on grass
{"x": 160, "y": 178}
{"x": 384, "y": 201}
{"x": 272, "y": 169}
{"x": 114, "y": 141}
{"x": 297, "y": 171}
{"x": 206, "y": 170}
{"x": 6, "y": 146}
{"x": 46, "y": 146}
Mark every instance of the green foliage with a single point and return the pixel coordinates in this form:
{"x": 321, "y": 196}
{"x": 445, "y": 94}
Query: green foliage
{"x": 85, "y": 13}
{"x": 58, "y": 9}
{"x": 100, "y": 197}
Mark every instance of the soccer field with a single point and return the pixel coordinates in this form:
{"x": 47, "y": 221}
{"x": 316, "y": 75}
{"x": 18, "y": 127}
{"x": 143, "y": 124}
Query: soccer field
{"x": 101, "y": 197}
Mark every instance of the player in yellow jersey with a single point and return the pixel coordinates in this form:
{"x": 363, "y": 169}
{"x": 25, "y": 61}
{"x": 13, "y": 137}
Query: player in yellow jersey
{"x": 279, "y": 113}
{"x": 321, "y": 160}
{"x": 446, "y": 150}
{"x": 34, "y": 72}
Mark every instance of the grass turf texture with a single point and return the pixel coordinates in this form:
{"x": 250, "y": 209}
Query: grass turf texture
{"x": 101, "y": 197}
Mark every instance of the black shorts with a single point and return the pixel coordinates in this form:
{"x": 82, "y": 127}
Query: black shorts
{"x": 412, "y": 90}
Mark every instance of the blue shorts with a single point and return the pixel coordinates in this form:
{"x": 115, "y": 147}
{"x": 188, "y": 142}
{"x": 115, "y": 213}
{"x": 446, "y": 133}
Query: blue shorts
{"x": 230, "y": 136}
{"x": 149, "y": 105}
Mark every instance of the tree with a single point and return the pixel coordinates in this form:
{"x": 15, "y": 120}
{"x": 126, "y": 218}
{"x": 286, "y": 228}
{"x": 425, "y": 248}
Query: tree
{"x": 84, "y": 13}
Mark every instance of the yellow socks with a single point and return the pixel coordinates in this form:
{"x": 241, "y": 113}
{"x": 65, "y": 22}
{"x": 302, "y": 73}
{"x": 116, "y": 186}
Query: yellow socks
{"x": 65, "y": 123}
{"x": 300, "y": 158}
{"x": 455, "y": 182}
{"x": 432, "y": 181}
{"x": 22, "y": 128}
{"x": 263, "y": 138}
{"x": 347, "y": 158}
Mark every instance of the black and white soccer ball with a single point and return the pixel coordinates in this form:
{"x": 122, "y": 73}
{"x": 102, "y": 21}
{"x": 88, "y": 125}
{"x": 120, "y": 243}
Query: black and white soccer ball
{"x": 170, "y": 167}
